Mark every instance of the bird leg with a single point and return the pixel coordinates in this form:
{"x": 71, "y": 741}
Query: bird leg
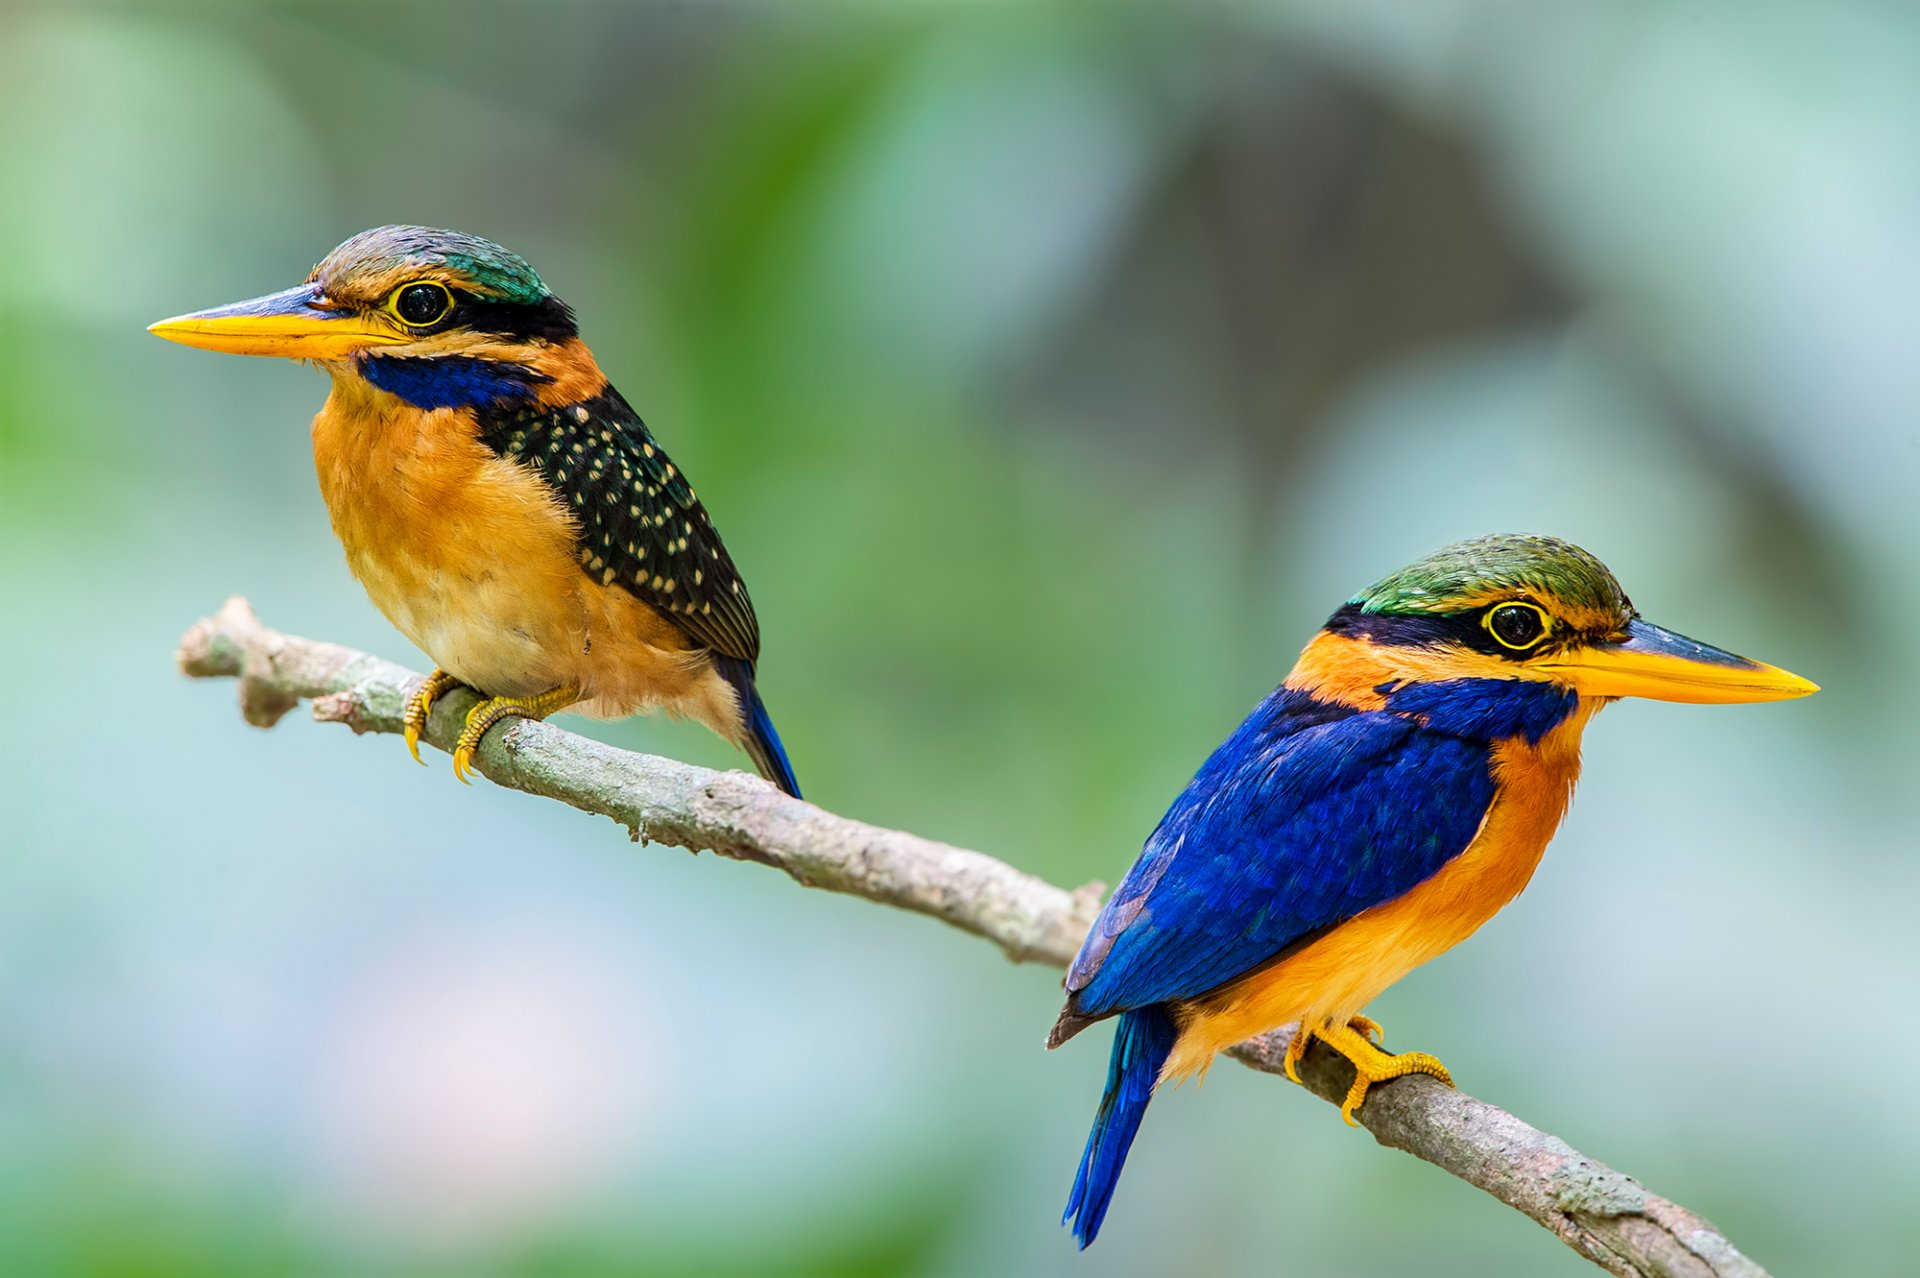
{"x": 492, "y": 711}
{"x": 437, "y": 685}
{"x": 1303, "y": 1039}
{"x": 1359, "y": 1041}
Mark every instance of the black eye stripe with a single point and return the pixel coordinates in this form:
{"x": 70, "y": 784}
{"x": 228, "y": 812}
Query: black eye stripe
{"x": 549, "y": 320}
{"x": 1471, "y": 630}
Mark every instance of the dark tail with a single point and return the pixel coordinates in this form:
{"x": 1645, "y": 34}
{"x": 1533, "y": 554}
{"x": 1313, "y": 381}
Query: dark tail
{"x": 761, "y": 743}
{"x": 1140, "y": 1047}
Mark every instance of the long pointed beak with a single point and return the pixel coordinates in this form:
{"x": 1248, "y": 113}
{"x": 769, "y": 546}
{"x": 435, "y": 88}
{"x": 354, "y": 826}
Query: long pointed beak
{"x": 292, "y": 324}
{"x": 1660, "y": 664}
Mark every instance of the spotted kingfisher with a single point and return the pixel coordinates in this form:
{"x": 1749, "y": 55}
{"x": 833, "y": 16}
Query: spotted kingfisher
{"x": 500, "y": 501}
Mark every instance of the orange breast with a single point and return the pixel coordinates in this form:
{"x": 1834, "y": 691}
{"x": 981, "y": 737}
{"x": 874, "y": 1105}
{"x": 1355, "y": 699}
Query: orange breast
{"x": 1339, "y": 974}
{"x": 473, "y": 559}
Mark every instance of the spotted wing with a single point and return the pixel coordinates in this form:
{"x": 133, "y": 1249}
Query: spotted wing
{"x": 641, "y": 526}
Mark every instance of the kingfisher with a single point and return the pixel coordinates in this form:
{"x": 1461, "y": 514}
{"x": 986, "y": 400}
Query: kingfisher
{"x": 503, "y": 505}
{"x": 1392, "y": 794}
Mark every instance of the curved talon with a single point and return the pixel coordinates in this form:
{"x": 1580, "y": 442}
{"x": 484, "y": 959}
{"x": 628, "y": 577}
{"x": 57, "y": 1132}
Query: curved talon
{"x": 1296, "y": 1048}
{"x": 437, "y": 685}
{"x": 1357, "y": 1041}
{"x": 492, "y": 711}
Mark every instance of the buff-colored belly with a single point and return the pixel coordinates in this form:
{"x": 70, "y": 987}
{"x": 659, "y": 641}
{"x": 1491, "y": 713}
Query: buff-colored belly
{"x": 473, "y": 617}
{"x": 1339, "y": 974}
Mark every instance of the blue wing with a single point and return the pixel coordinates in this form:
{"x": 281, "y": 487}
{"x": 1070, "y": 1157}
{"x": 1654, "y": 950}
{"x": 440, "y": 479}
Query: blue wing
{"x": 1307, "y": 815}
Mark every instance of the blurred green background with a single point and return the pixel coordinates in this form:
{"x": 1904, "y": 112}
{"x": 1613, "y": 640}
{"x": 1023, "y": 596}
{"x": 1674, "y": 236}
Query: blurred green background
{"x": 1052, "y": 370}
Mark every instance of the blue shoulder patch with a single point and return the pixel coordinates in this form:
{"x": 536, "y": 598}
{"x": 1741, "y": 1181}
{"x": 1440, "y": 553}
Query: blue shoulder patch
{"x": 1486, "y": 709}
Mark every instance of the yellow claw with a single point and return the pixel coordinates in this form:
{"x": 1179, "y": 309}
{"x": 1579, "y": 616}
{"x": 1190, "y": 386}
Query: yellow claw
{"x": 1366, "y": 1025}
{"x": 437, "y": 685}
{"x": 1296, "y": 1048}
{"x": 492, "y": 711}
{"x": 1358, "y": 1041}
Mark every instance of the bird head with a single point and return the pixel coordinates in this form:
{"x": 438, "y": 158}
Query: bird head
{"x": 440, "y": 318}
{"x": 1528, "y": 611}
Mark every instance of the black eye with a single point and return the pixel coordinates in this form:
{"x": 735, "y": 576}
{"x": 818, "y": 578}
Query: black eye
{"x": 1517, "y": 625}
{"x": 422, "y": 304}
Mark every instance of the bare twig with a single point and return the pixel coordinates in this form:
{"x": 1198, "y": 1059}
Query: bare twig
{"x": 1602, "y": 1214}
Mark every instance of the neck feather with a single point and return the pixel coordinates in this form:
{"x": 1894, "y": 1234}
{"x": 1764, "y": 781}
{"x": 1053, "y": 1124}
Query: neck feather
{"x": 450, "y": 381}
{"x": 467, "y": 370}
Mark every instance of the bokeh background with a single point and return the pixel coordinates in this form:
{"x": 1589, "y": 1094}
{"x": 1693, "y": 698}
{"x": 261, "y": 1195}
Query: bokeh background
{"x": 1052, "y": 370}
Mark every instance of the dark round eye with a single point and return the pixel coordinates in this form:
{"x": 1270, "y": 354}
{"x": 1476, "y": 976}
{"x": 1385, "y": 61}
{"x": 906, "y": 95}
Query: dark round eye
{"x": 422, "y": 304}
{"x": 1517, "y": 625}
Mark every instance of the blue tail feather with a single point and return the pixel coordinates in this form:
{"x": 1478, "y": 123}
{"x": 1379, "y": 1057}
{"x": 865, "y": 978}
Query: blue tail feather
{"x": 761, "y": 742}
{"x": 1140, "y": 1048}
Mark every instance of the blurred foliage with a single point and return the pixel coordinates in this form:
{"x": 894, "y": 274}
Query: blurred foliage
{"x": 1052, "y": 370}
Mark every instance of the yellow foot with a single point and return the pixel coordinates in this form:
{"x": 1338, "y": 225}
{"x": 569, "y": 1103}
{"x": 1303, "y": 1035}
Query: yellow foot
{"x": 438, "y": 685}
{"x": 492, "y": 711}
{"x": 1303, "y": 1039}
{"x": 1358, "y": 1041}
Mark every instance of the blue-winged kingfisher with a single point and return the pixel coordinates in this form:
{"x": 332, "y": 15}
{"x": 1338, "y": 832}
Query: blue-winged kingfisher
{"x": 1380, "y": 805}
{"x": 501, "y": 503}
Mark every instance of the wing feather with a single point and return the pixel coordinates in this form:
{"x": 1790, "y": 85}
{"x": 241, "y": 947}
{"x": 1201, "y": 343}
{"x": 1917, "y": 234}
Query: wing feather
{"x": 641, "y": 526}
{"x": 1301, "y": 819}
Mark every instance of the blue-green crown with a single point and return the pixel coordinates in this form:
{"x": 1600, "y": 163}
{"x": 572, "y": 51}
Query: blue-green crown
{"x": 1465, "y": 574}
{"x": 481, "y": 264}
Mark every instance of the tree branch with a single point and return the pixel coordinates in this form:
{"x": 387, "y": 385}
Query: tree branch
{"x": 1603, "y": 1214}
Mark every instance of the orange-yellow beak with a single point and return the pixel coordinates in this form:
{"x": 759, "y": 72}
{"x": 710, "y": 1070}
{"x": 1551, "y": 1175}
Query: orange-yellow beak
{"x": 293, "y": 324}
{"x": 1660, "y": 664}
